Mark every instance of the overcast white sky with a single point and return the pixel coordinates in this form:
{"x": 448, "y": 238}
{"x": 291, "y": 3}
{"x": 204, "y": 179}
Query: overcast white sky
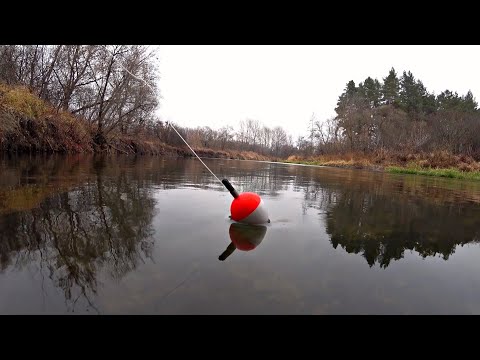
{"x": 283, "y": 85}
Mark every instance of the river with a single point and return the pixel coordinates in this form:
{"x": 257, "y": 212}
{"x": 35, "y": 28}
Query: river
{"x": 151, "y": 235}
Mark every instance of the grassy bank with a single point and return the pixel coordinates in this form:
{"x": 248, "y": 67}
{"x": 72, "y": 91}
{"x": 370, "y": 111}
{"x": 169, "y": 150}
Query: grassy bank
{"x": 30, "y": 125}
{"x": 448, "y": 173}
{"x": 146, "y": 146}
{"x": 440, "y": 164}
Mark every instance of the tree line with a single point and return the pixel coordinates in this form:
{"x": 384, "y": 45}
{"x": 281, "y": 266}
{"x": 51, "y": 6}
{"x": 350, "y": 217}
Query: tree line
{"x": 101, "y": 84}
{"x": 398, "y": 114}
{"x": 251, "y": 135}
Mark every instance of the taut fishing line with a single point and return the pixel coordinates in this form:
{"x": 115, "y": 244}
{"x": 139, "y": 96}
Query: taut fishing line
{"x": 246, "y": 207}
{"x": 168, "y": 123}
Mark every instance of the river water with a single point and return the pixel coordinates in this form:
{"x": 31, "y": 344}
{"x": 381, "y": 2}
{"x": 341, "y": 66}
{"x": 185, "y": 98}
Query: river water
{"x": 151, "y": 235}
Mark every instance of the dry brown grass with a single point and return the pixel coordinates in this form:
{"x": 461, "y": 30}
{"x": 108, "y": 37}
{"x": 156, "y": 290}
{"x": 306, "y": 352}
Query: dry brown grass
{"x": 28, "y": 124}
{"x": 382, "y": 159}
{"x": 228, "y": 154}
{"x": 152, "y": 146}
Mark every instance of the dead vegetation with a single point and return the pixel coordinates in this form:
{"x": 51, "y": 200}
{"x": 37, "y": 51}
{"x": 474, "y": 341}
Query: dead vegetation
{"x": 30, "y": 125}
{"x": 382, "y": 159}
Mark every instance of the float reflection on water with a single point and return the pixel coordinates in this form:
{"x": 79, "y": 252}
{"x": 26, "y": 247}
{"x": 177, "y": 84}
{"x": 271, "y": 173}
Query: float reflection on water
{"x": 243, "y": 237}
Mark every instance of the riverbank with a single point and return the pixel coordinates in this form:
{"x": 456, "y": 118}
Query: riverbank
{"x": 448, "y": 173}
{"x": 439, "y": 164}
{"x": 29, "y": 125}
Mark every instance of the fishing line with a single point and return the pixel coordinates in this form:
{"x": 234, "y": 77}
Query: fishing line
{"x": 168, "y": 123}
{"x": 211, "y": 172}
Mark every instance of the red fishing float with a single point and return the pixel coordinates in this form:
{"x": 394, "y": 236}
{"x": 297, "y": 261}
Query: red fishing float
{"x": 247, "y": 207}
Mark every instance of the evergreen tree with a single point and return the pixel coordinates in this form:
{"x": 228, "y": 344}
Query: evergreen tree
{"x": 469, "y": 103}
{"x": 429, "y": 103}
{"x": 348, "y": 93}
{"x": 448, "y": 100}
{"x": 361, "y": 90}
{"x": 351, "y": 88}
{"x": 411, "y": 94}
{"x": 372, "y": 91}
{"x": 391, "y": 88}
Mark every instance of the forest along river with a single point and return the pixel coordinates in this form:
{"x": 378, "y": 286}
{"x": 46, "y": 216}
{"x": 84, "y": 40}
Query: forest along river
{"x": 143, "y": 235}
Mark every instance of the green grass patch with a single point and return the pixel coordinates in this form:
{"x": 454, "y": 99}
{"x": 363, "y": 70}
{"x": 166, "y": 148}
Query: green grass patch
{"x": 446, "y": 173}
{"x": 303, "y": 162}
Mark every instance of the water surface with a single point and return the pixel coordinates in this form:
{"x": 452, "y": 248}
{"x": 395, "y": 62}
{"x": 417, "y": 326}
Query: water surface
{"x": 151, "y": 235}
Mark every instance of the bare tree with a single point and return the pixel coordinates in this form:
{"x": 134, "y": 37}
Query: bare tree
{"x": 225, "y": 136}
{"x": 253, "y": 131}
{"x": 266, "y": 137}
{"x": 74, "y": 72}
{"x": 279, "y": 140}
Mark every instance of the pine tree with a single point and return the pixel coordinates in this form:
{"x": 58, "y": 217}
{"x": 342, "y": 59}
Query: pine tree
{"x": 429, "y": 103}
{"x": 351, "y": 88}
{"x": 361, "y": 92}
{"x": 391, "y": 88}
{"x": 468, "y": 102}
{"x": 372, "y": 91}
{"x": 378, "y": 92}
{"x": 411, "y": 94}
{"x": 348, "y": 93}
{"x": 448, "y": 100}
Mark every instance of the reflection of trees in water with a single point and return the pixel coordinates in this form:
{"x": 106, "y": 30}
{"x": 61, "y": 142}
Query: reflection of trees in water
{"x": 173, "y": 173}
{"x": 316, "y": 197}
{"x": 262, "y": 178}
{"x": 167, "y": 173}
{"x": 373, "y": 220}
{"x": 103, "y": 225}
{"x": 82, "y": 216}
{"x": 26, "y": 170}
{"x": 267, "y": 180}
